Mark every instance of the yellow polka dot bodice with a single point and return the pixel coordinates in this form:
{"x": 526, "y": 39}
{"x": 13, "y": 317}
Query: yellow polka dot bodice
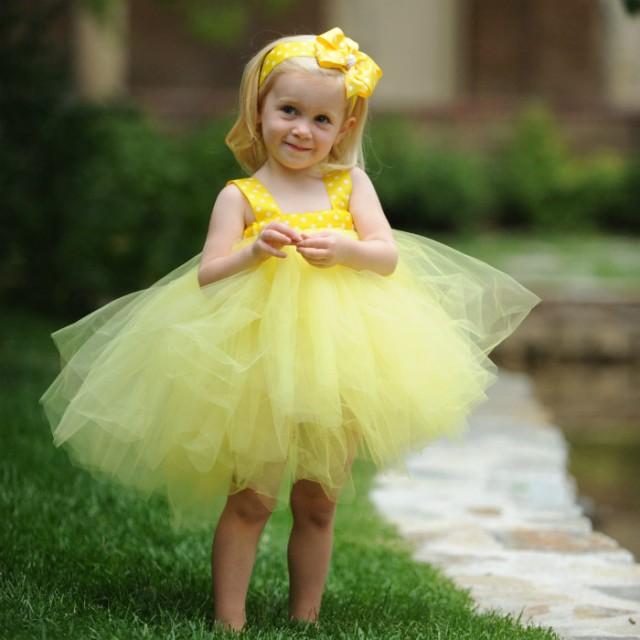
{"x": 265, "y": 208}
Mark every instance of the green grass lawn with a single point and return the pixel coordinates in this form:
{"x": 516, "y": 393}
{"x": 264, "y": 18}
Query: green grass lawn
{"x": 83, "y": 559}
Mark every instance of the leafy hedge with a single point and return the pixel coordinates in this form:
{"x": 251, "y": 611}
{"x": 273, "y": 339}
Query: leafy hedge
{"x": 99, "y": 202}
{"x": 95, "y": 201}
{"x": 426, "y": 187}
{"x": 532, "y": 182}
{"x": 106, "y": 205}
{"x": 540, "y": 184}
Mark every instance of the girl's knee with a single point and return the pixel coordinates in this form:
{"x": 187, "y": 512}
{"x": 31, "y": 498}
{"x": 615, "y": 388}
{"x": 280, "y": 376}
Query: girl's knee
{"x": 250, "y": 507}
{"x": 310, "y": 504}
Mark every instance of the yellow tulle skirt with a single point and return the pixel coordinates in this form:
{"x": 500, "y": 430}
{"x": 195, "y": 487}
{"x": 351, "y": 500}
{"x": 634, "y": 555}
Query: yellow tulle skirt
{"x": 278, "y": 373}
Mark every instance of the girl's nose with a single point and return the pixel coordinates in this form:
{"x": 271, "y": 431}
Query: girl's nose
{"x": 301, "y": 130}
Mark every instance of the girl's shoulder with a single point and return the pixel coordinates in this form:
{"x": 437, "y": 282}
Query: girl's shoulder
{"x": 233, "y": 196}
{"x": 230, "y": 194}
{"x": 358, "y": 174}
{"x": 237, "y": 183}
{"x": 360, "y": 180}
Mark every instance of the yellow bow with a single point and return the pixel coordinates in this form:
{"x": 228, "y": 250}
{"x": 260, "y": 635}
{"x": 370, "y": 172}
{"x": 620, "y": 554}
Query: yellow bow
{"x": 334, "y": 49}
{"x": 331, "y": 49}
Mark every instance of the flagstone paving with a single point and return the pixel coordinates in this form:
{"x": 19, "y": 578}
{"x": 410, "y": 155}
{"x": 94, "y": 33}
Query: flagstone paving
{"x": 497, "y": 512}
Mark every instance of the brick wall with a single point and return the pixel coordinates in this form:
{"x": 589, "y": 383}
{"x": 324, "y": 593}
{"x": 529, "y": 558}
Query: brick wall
{"x": 519, "y": 48}
{"x": 180, "y": 78}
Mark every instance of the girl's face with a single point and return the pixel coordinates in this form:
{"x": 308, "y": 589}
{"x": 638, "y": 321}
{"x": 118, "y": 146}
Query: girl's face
{"x": 302, "y": 117}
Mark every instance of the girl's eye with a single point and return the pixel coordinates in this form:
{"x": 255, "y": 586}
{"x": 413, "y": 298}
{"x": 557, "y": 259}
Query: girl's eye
{"x": 323, "y": 119}
{"x": 288, "y": 109}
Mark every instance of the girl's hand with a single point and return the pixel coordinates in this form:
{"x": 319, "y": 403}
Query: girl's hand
{"x": 323, "y": 249}
{"x": 272, "y": 237}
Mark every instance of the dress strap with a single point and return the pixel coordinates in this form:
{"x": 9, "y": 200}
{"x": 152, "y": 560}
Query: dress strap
{"x": 338, "y": 185}
{"x": 262, "y": 203}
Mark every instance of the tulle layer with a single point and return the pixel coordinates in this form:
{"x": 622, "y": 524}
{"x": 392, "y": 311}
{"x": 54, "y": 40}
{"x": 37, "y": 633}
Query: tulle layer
{"x": 279, "y": 373}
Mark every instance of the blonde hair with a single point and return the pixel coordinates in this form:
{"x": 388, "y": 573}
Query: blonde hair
{"x": 245, "y": 140}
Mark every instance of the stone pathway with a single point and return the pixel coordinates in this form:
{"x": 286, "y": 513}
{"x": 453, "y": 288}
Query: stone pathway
{"x": 497, "y": 513}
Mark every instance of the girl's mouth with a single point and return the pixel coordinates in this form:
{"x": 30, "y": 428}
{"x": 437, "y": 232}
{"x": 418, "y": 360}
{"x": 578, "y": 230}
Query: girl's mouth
{"x": 296, "y": 147}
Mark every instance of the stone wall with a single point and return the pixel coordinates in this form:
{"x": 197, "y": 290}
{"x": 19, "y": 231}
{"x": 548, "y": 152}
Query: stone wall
{"x": 597, "y": 331}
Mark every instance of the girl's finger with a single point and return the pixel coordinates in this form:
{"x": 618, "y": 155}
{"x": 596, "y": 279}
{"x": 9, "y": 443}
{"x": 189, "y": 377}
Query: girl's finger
{"x": 314, "y": 242}
{"x": 267, "y": 248}
{"x": 319, "y": 234}
{"x": 312, "y": 253}
{"x": 285, "y": 229}
{"x": 277, "y": 236}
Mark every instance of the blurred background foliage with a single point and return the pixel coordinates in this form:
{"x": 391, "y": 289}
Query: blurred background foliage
{"x": 632, "y": 6}
{"x": 212, "y": 21}
{"x": 97, "y": 201}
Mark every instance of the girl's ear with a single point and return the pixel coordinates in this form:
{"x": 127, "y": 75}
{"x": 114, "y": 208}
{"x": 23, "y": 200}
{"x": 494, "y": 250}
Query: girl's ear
{"x": 346, "y": 125}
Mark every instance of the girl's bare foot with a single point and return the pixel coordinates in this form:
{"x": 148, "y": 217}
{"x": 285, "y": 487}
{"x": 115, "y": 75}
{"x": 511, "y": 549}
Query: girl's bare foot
{"x": 312, "y": 622}
{"x": 226, "y": 625}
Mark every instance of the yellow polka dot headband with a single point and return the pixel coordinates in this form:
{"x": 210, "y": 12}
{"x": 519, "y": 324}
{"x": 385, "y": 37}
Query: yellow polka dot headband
{"x": 332, "y": 50}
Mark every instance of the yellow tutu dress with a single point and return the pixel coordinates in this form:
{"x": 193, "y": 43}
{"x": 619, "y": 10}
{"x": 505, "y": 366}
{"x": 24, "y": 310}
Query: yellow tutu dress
{"x": 282, "y": 371}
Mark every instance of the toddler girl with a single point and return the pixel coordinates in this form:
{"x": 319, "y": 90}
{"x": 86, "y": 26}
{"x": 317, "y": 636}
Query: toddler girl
{"x": 306, "y": 333}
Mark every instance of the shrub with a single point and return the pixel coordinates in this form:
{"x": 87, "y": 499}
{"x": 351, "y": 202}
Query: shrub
{"x": 118, "y": 204}
{"x": 622, "y": 210}
{"x": 540, "y": 184}
{"x": 100, "y": 202}
{"x": 428, "y": 187}
{"x": 528, "y": 171}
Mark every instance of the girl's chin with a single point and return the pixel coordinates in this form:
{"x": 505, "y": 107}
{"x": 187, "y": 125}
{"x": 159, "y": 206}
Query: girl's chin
{"x": 309, "y": 168}
{"x": 299, "y": 164}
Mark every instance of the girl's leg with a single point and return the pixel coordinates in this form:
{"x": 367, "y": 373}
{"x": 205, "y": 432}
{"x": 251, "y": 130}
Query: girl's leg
{"x": 310, "y": 545}
{"x": 309, "y": 551}
{"x": 233, "y": 555}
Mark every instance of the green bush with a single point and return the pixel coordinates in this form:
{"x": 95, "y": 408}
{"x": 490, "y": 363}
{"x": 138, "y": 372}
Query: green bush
{"x": 100, "y": 202}
{"x": 589, "y": 192}
{"x": 33, "y": 85}
{"x": 622, "y": 210}
{"x": 424, "y": 186}
{"x": 532, "y": 182}
{"x": 527, "y": 171}
{"x": 112, "y": 205}
{"x": 539, "y": 184}
{"x": 142, "y": 202}
{"x": 96, "y": 201}
{"x": 143, "y": 205}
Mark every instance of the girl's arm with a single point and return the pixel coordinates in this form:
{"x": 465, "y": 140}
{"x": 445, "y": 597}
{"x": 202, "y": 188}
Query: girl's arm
{"x": 225, "y": 229}
{"x": 376, "y": 249}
